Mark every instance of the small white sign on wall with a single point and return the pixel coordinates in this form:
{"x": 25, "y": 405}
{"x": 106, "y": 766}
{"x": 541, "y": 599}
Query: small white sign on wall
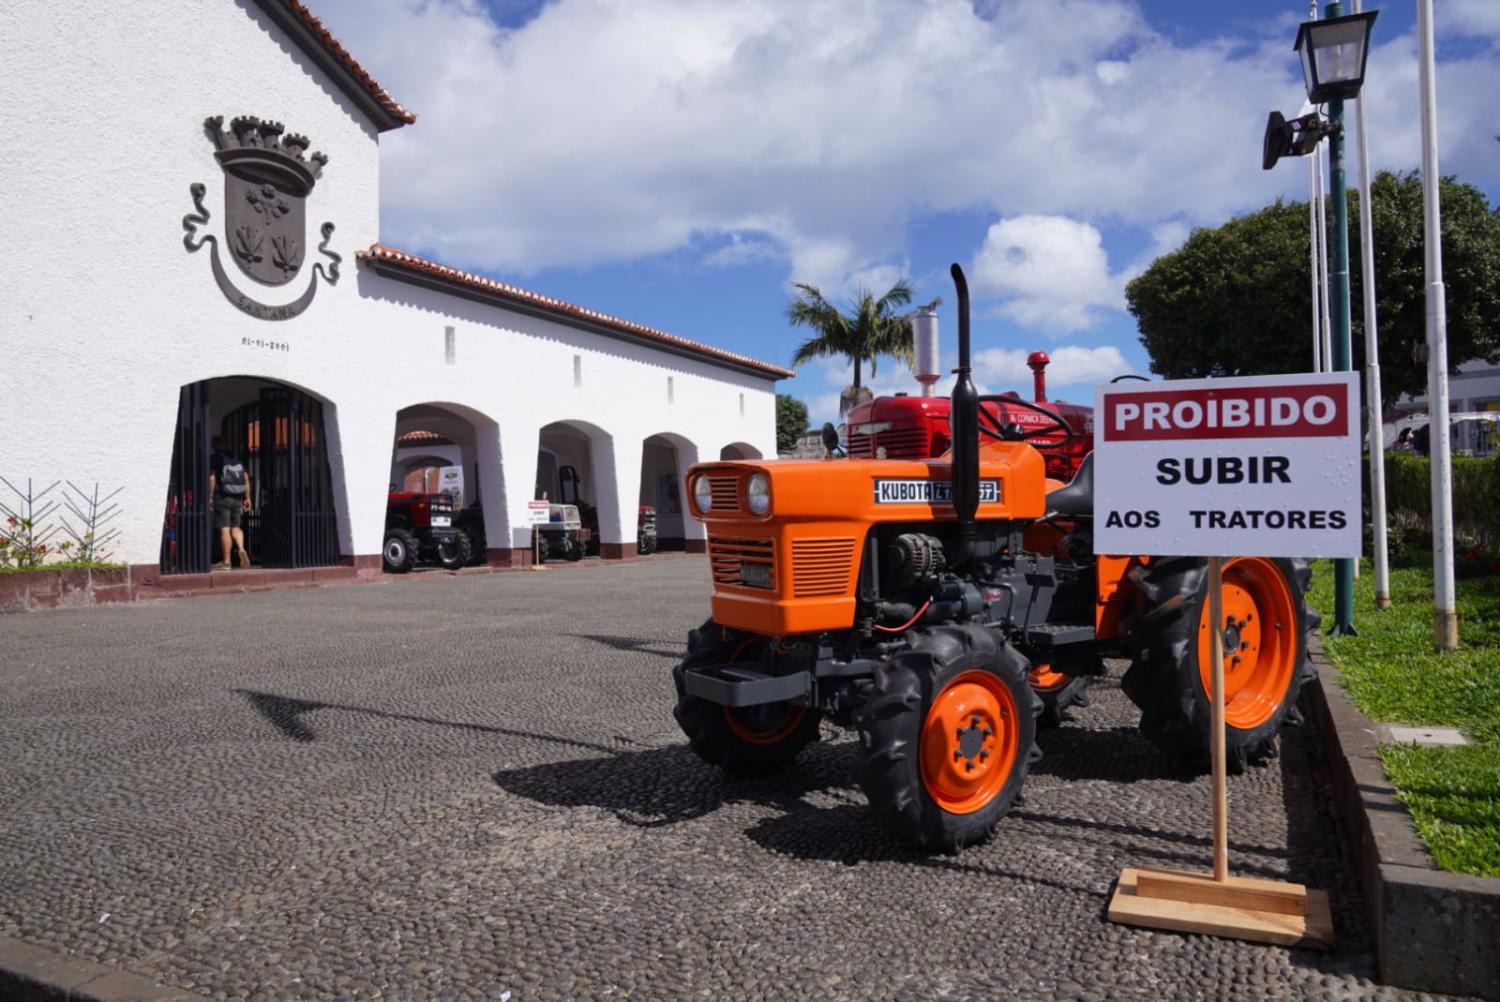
{"x": 451, "y": 481}
{"x": 1251, "y": 466}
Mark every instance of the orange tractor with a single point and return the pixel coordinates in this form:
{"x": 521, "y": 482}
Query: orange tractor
{"x": 913, "y": 600}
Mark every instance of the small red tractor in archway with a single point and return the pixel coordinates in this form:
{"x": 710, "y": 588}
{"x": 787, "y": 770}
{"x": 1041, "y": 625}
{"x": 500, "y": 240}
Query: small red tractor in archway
{"x": 913, "y": 600}
{"x": 419, "y": 527}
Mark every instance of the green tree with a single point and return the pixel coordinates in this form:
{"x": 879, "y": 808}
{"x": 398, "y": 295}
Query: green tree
{"x": 1236, "y": 299}
{"x": 869, "y": 329}
{"x": 791, "y": 422}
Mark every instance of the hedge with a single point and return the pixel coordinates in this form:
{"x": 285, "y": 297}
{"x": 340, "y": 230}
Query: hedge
{"x": 1476, "y": 495}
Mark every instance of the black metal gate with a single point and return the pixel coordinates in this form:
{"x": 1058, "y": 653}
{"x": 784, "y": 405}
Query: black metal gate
{"x": 185, "y": 530}
{"x": 280, "y": 438}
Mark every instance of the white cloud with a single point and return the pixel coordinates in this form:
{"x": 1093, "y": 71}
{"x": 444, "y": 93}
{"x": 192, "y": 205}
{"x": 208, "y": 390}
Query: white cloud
{"x": 1475, "y": 18}
{"x": 1051, "y": 271}
{"x": 604, "y": 131}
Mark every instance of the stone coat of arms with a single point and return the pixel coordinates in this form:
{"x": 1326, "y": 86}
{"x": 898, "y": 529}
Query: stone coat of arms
{"x": 268, "y": 176}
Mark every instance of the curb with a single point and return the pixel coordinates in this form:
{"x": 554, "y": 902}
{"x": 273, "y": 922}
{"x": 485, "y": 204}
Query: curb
{"x": 1434, "y": 931}
{"x": 31, "y": 973}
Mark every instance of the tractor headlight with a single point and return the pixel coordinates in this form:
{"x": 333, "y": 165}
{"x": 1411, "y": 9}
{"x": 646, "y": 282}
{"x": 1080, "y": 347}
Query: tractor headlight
{"x": 758, "y": 493}
{"x": 702, "y": 496}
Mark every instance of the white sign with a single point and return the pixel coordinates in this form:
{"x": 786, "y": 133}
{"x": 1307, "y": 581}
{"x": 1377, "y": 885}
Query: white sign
{"x": 451, "y": 481}
{"x": 1254, "y": 466}
{"x": 538, "y": 512}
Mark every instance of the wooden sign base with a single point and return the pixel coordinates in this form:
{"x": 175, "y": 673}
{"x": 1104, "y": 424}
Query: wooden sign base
{"x": 1263, "y": 911}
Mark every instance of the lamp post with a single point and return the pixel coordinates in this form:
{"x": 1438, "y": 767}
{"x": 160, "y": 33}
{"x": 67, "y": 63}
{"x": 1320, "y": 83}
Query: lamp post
{"x": 1333, "y": 53}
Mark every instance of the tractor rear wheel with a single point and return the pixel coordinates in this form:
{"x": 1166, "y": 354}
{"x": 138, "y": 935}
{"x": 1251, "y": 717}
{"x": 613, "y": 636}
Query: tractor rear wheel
{"x": 1057, "y": 692}
{"x": 743, "y": 741}
{"x": 947, "y": 737}
{"x": 1267, "y": 622}
{"x": 455, "y": 552}
{"x": 400, "y": 551}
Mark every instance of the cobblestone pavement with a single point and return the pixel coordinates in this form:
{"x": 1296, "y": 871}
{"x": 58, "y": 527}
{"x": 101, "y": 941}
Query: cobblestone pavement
{"x": 459, "y": 787}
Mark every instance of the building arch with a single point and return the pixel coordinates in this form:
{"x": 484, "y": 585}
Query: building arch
{"x": 286, "y": 438}
{"x": 739, "y": 451}
{"x": 665, "y": 459}
{"x": 461, "y": 444}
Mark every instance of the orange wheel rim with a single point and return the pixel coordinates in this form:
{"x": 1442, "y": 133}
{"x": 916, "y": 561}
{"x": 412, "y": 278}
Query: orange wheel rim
{"x": 1260, "y": 641}
{"x": 765, "y": 725}
{"x": 969, "y": 742}
{"x": 1044, "y": 679}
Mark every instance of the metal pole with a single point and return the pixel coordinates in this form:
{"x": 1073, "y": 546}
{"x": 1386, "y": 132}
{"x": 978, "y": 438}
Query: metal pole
{"x": 1327, "y": 345}
{"x": 1216, "y": 714}
{"x": 1444, "y": 613}
{"x": 1312, "y": 261}
{"x": 1338, "y": 288}
{"x": 1372, "y": 360}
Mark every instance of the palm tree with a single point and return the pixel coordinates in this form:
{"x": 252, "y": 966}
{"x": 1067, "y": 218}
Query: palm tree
{"x": 870, "y": 329}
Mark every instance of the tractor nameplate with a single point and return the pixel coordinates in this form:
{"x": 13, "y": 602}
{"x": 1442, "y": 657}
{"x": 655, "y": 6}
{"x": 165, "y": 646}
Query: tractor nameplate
{"x": 929, "y": 492}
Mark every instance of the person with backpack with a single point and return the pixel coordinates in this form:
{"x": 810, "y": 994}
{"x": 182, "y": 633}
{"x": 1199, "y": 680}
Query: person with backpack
{"x": 229, "y": 489}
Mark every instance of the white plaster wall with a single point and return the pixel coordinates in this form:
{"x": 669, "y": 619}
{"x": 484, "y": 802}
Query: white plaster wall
{"x": 104, "y": 314}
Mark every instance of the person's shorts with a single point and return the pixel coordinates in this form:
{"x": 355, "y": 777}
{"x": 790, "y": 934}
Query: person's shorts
{"x": 229, "y": 513}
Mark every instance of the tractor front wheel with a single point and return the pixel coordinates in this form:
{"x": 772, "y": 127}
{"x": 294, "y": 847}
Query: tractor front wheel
{"x": 743, "y": 741}
{"x": 455, "y": 552}
{"x": 947, "y": 737}
{"x": 1265, "y": 629}
{"x": 400, "y": 551}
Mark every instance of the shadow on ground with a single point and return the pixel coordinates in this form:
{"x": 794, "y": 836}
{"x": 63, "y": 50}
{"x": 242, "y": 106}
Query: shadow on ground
{"x": 288, "y": 713}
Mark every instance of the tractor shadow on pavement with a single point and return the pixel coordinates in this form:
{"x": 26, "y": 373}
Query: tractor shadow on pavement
{"x": 670, "y": 785}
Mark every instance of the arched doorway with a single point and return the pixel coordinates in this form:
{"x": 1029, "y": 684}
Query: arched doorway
{"x": 571, "y": 457}
{"x": 665, "y": 459}
{"x": 448, "y": 448}
{"x": 739, "y": 450}
{"x": 278, "y": 432}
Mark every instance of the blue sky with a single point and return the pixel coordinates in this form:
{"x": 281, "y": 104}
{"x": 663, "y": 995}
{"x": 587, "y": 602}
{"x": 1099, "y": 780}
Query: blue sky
{"x": 679, "y": 163}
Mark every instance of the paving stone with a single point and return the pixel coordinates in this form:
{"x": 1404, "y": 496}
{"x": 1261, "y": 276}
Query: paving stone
{"x": 465, "y": 786}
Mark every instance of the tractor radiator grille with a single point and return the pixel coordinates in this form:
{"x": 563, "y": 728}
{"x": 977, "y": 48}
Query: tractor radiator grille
{"x": 725, "y": 492}
{"x": 899, "y": 443}
{"x": 821, "y": 566}
{"x": 727, "y": 556}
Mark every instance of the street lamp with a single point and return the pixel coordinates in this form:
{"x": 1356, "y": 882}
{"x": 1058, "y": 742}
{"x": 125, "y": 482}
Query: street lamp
{"x": 1333, "y": 52}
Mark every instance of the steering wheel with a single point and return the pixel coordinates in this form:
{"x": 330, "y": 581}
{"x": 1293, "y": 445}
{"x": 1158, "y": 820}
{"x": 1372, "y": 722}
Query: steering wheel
{"x": 989, "y": 424}
{"x": 1130, "y": 375}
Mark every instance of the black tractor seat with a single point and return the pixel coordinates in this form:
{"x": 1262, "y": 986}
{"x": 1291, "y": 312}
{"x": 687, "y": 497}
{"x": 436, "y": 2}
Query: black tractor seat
{"x": 1077, "y": 498}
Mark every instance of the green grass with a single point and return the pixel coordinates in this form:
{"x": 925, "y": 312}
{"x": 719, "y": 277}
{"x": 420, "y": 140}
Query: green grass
{"x": 1393, "y": 675}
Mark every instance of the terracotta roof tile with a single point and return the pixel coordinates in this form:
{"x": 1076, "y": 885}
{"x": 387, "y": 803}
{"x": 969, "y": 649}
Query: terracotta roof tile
{"x": 390, "y": 255}
{"x": 335, "y": 47}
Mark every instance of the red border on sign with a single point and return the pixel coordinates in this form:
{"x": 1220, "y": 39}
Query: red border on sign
{"x": 1319, "y": 410}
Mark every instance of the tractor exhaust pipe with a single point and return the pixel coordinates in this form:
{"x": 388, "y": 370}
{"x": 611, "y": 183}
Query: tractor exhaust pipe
{"x": 963, "y": 418}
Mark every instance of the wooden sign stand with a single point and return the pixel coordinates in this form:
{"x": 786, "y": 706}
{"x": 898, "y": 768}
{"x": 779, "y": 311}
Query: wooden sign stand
{"x": 1265, "y": 911}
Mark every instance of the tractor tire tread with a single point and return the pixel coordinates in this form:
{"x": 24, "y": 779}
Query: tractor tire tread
{"x": 1163, "y": 680}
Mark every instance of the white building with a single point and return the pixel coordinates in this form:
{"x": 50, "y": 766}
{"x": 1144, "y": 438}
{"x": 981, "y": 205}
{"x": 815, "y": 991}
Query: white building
{"x": 1473, "y": 407}
{"x": 184, "y": 263}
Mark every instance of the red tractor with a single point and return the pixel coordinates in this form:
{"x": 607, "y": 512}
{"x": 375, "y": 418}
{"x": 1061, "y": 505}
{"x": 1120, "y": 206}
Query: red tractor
{"x": 905, "y": 427}
{"x": 420, "y": 527}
